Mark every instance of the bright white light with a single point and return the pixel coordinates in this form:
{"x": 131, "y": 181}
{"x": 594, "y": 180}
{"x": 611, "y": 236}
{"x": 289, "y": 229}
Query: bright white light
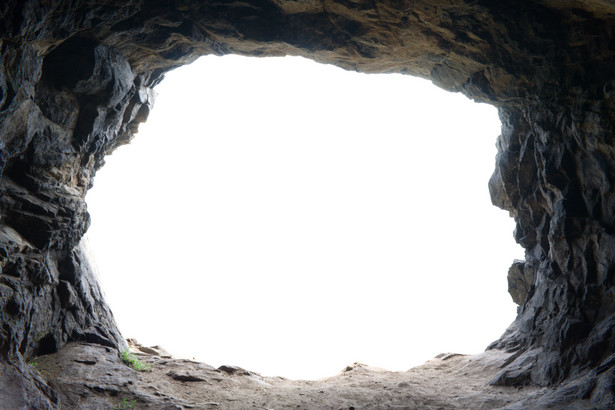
{"x": 293, "y": 218}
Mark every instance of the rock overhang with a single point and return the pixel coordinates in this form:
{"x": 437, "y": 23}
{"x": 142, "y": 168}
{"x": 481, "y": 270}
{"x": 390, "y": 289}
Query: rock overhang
{"x": 76, "y": 81}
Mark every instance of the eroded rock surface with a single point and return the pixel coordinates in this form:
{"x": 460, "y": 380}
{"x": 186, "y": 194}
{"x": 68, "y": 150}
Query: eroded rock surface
{"x": 76, "y": 80}
{"x": 90, "y": 376}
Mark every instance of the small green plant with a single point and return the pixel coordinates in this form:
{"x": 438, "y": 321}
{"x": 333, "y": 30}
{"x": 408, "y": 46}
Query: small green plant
{"x": 33, "y": 362}
{"x": 131, "y": 360}
{"x": 125, "y": 404}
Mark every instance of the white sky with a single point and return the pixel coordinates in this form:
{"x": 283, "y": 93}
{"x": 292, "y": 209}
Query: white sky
{"x": 293, "y": 218}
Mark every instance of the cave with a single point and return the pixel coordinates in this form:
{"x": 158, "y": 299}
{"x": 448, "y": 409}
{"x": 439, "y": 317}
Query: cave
{"x": 320, "y": 229}
{"x": 76, "y": 82}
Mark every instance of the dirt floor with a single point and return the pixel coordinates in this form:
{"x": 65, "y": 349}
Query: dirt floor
{"x": 89, "y": 376}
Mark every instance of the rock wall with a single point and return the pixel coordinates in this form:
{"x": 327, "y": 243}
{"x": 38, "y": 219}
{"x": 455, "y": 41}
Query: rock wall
{"x": 76, "y": 79}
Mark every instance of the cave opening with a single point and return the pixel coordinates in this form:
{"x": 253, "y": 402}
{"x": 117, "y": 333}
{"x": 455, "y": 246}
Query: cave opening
{"x": 268, "y": 223}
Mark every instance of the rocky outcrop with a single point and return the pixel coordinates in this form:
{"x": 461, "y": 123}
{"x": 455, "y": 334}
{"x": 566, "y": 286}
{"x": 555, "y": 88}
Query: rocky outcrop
{"x": 76, "y": 80}
{"x": 554, "y": 172}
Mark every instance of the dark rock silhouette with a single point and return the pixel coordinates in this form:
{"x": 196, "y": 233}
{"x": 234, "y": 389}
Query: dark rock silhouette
{"x": 76, "y": 81}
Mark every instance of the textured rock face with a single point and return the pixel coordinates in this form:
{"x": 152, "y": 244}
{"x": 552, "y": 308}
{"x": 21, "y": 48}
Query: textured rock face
{"x": 76, "y": 80}
{"x": 451, "y": 381}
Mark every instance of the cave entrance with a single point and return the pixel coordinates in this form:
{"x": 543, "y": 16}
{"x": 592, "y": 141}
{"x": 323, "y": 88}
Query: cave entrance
{"x": 292, "y": 218}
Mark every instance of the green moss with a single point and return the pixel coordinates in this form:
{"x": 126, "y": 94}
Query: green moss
{"x": 33, "y": 361}
{"x": 125, "y": 404}
{"x": 131, "y": 360}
